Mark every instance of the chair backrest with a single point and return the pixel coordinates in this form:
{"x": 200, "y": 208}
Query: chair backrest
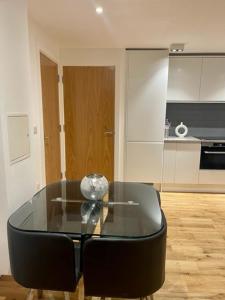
{"x": 124, "y": 268}
{"x": 42, "y": 260}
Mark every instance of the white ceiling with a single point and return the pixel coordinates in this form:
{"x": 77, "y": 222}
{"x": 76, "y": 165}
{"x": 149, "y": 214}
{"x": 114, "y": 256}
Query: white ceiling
{"x": 200, "y": 24}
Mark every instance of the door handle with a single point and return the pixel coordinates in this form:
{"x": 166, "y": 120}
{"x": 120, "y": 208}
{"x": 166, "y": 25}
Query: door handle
{"x": 109, "y": 132}
{"x": 46, "y": 139}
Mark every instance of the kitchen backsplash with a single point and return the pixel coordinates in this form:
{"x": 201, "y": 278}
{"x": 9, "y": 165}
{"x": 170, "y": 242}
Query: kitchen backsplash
{"x": 202, "y": 119}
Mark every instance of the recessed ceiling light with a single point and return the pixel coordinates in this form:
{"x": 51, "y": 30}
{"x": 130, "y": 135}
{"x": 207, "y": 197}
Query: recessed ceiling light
{"x": 177, "y": 47}
{"x": 99, "y": 10}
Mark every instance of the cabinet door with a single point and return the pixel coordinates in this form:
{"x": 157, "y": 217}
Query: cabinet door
{"x": 169, "y": 162}
{"x": 144, "y": 162}
{"x": 213, "y": 79}
{"x": 146, "y": 94}
{"x": 184, "y": 78}
{"x": 187, "y": 163}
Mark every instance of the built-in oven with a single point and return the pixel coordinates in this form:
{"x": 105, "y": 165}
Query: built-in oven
{"x": 212, "y": 156}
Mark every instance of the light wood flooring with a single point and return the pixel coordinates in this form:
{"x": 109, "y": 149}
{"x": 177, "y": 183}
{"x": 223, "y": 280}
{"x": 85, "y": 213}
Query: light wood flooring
{"x": 195, "y": 267}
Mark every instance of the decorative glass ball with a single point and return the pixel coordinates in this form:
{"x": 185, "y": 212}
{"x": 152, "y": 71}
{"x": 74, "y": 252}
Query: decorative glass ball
{"x": 94, "y": 186}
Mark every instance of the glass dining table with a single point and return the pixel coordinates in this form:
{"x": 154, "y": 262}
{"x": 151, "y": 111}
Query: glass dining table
{"x": 129, "y": 210}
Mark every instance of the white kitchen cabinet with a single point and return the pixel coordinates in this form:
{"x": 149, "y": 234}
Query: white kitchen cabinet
{"x": 147, "y": 75}
{"x": 184, "y": 78}
{"x": 212, "y": 177}
{"x": 169, "y": 162}
{"x": 181, "y": 162}
{"x": 187, "y": 163}
{"x": 213, "y": 79}
{"x": 144, "y": 162}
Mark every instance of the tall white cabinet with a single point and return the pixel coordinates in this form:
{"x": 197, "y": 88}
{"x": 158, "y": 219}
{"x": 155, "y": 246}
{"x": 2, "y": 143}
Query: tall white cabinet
{"x": 144, "y": 161}
{"x": 147, "y": 75}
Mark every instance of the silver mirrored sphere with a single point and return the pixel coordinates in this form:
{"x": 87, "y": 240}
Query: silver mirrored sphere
{"x": 94, "y": 186}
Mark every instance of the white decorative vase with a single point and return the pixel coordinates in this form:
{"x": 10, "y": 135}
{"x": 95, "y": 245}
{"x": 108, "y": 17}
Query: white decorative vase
{"x": 181, "y": 130}
{"x": 94, "y": 186}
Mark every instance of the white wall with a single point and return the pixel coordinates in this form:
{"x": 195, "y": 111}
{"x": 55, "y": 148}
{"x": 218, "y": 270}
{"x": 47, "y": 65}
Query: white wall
{"x": 20, "y": 92}
{"x": 3, "y": 212}
{"x": 15, "y": 94}
{"x": 17, "y": 181}
{"x": 105, "y": 57}
{"x": 3, "y": 190}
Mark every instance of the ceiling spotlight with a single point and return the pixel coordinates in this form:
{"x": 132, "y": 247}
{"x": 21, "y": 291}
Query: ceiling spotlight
{"x": 177, "y": 47}
{"x": 99, "y": 10}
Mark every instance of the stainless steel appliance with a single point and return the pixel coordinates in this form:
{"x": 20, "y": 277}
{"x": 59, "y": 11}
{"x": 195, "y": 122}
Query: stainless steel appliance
{"x": 212, "y": 153}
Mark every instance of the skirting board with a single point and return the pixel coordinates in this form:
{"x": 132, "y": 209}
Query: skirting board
{"x": 198, "y": 188}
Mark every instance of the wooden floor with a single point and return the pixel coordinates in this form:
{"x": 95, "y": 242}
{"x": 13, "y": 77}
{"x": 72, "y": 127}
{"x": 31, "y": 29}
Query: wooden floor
{"x": 195, "y": 267}
{"x": 196, "y": 246}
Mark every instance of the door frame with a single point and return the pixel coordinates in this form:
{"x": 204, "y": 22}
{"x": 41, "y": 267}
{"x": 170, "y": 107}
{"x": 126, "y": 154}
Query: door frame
{"x": 61, "y": 116}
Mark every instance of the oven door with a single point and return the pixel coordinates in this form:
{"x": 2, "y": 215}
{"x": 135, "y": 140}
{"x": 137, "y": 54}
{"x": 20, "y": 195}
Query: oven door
{"x": 213, "y": 157}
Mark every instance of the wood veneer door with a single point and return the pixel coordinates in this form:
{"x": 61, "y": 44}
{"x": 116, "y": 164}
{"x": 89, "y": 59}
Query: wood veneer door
{"x": 50, "y": 101}
{"x": 89, "y": 96}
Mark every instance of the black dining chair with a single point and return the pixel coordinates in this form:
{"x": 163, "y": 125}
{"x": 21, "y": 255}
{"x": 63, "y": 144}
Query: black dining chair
{"x": 125, "y": 268}
{"x": 43, "y": 261}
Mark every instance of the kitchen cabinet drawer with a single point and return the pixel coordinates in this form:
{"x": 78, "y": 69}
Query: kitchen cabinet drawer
{"x": 184, "y": 78}
{"x": 181, "y": 163}
{"x": 213, "y": 79}
{"x": 144, "y": 162}
{"x": 147, "y": 76}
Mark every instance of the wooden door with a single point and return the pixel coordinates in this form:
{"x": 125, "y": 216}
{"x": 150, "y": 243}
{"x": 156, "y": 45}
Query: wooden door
{"x": 50, "y": 101}
{"x": 89, "y": 94}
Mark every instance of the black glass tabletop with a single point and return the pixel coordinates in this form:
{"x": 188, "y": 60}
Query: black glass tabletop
{"x": 128, "y": 210}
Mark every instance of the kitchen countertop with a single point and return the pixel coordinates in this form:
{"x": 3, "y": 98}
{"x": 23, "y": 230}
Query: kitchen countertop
{"x": 185, "y": 139}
